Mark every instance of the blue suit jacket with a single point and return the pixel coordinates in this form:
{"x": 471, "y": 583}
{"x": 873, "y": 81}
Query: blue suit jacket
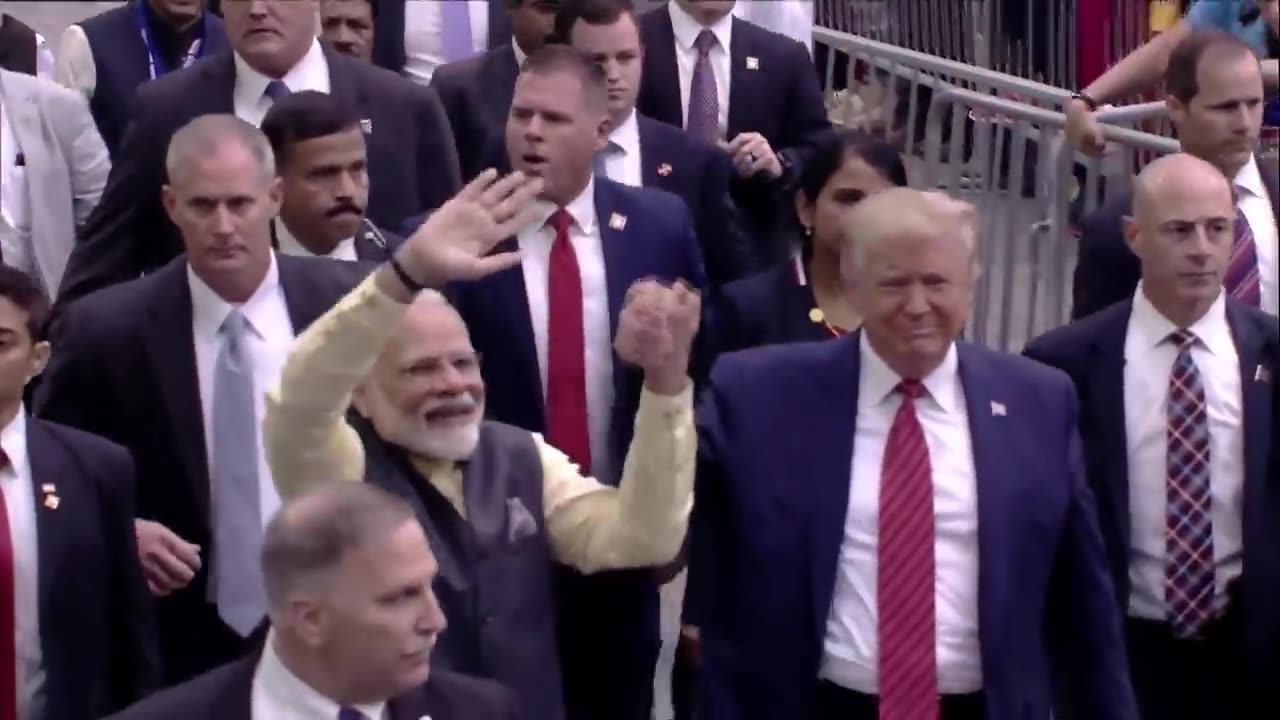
{"x": 776, "y": 430}
{"x": 1091, "y": 352}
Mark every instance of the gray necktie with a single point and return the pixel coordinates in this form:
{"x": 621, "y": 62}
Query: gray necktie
{"x": 237, "y": 540}
{"x": 598, "y": 162}
{"x": 455, "y": 30}
{"x": 704, "y": 97}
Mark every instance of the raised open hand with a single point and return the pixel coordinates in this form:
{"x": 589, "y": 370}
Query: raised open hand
{"x": 455, "y": 241}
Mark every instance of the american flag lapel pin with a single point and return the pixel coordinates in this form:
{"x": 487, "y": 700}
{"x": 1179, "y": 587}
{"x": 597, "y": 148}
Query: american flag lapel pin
{"x": 617, "y": 221}
{"x": 664, "y": 169}
{"x": 753, "y": 63}
{"x": 998, "y": 409}
{"x": 1262, "y": 375}
{"x": 366, "y": 126}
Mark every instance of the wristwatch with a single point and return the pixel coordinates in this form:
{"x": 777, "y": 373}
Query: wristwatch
{"x": 1088, "y": 101}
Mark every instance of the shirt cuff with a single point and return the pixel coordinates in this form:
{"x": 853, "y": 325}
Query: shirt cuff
{"x": 669, "y": 409}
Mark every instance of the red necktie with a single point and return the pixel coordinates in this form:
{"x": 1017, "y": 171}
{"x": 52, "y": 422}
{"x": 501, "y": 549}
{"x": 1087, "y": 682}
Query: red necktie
{"x": 905, "y": 572}
{"x": 8, "y": 643}
{"x": 566, "y": 350}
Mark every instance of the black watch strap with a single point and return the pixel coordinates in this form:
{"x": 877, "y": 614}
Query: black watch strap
{"x": 1090, "y": 102}
{"x": 405, "y": 278}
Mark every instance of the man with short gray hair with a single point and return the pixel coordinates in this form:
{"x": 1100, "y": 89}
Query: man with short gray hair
{"x": 173, "y": 366}
{"x": 894, "y": 524}
{"x": 348, "y": 576}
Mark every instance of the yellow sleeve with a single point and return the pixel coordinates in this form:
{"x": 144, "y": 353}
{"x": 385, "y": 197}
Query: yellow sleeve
{"x": 640, "y": 523}
{"x": 305, "y": 434}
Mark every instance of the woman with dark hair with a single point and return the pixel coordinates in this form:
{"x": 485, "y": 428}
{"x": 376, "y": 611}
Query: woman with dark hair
{"x": 804, "y": 298}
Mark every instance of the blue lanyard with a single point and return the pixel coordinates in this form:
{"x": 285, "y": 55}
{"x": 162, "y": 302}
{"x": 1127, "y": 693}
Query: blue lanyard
{"x": 155, "y": 63}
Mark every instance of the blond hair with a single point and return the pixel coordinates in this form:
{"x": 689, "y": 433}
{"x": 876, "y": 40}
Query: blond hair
{"x": 905, "y": 213}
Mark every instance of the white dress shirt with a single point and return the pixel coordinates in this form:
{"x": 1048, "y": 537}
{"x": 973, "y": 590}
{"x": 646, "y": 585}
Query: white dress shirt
{"x": 535, "y": 246}
{"x": 423, "y": 30}
{"x": 793, "y": 18}
{"x": 686, "y": 31}
{"x": 269, "y": 335}
{"x": 622, "y": 165}
{"x": 20, "y": 504}
{"x": 1255, "y": 201}
{"x": 1148, "y": 366}
{"x": 289, "y": 245}
{"x": 850, "y": 655}
{"x": 278, "y": 694}
{"x": 250, "y": 102}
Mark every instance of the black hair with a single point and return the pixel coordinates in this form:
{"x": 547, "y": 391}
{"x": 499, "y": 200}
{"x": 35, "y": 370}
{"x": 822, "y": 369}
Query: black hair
{"x": 592, "y": 12}
{"x": 18, "y": 288}
{"x": 305, "y": 115}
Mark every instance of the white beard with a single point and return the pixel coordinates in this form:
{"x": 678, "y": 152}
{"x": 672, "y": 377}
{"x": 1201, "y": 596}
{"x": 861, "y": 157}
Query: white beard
{"x": 444, "y": 442}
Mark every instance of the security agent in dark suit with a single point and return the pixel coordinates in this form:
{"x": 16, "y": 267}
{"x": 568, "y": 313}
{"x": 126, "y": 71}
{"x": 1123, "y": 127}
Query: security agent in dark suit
{"x": 476, "y": 92}
{"x": 108, "y": 56}
{"x": 76, "y": 627}
{"x": 158, "y": 365}
{"x": 354, "y": 618}
{"x": 1203, "y": 636}
{"x": 1215, "y": 101}
{"x": 767, "y": 106}
{"x": 347, "y": 26}
{"x": 320, "y": 156}
{"x": 646, "y": 153}
{"x": 412, "y": 162}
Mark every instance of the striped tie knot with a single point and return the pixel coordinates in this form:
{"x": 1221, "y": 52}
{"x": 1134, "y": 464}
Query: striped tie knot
{"x": 1183, "y": 339}
{"x": 910, "y": 389}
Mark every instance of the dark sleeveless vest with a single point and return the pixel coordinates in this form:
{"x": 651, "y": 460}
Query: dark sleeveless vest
{"x": 495, "y": 581}
{"x": 121, "y": 65}
{"x": 17, "y": 46}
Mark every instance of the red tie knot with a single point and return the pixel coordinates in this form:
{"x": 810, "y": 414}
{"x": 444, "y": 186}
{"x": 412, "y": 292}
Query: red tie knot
{"x": 911, "y": 389}
{"x": 560, "y": 221}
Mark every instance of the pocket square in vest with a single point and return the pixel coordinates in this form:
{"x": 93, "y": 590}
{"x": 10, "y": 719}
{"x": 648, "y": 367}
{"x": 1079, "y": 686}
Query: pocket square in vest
{"x": 520, "y": 524}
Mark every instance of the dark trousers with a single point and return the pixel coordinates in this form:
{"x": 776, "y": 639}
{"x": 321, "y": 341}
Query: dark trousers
{"x": 1177, "y": 679}
{"x": 837, "y": 703}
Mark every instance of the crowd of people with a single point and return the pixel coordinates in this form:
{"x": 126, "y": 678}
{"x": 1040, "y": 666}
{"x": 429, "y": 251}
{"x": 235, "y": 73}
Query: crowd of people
{"x": 387, "y": 360}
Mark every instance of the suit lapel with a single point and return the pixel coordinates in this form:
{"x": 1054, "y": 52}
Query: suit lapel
{"x": 370, "y": 243}
{"x": 1256, "y": 376}
{"x": 831, "y": 446}
{"x": 989, "y": 429}
{"x": 48, "y": 467}
{"x": 743, "y": 88}
{"x": 301, "y": 296}
{"x": 649, "y": 154}
{"x": 498, "y": 93}
{"x": 663, "y": 73}
{"x": 1106, "y": 402}
{"x": 499, "y": 29}
{"x": 421, "y": 703}
{"x": 510, "y": 298}
{"x": 342, "y": 83}
{"x": 24, "y": 120}
{"x": 171, "y": 349}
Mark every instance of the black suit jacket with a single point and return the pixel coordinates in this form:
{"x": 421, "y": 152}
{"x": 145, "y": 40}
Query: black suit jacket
{"x": 96, "y": 624}
{"x": 476, "y": 94}
{"x": 412, "y": 163}
{"x": 372, "y": 243}
{"x": 700, "y": 175}
{"x": 388, "y": 32}
{"x": 769, "y": 308}
{"x": 773, "y": 90}
{"x": 1091, "y": 352}
{"x": 226, "y": 694}
{"x": 1107, "y": 271}
{"x": 124, "y": 368}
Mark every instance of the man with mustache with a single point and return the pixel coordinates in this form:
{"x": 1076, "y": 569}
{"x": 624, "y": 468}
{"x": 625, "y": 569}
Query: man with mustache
{"x": 499, "y": 504}
{"x": 338, "y": 648}
{"x": 323, "y": 166}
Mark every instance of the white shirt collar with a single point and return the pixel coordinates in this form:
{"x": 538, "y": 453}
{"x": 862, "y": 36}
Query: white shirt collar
{"x": 627, "y": 135}
{"x": 251, "y": 84}
{"x": 289, "y": 245}
{"x": 520, "y": 54}
{"x": 289, "y": 691}
{"x": 879, "y": 380}
{"x": 1212, "y": 329}
{"x": 209, "y": 310}
{"x": 686, "y": 28}
{"x": 582, "y": 209}
{"x": 1249, "y": 178}
{"x": 13, "y": 438}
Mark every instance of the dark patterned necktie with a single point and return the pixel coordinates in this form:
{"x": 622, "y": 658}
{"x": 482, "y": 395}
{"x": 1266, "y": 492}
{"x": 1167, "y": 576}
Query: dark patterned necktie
{"x": 1189, "y": 572}
{"x": 1241, "y": 279}
{"x": 704, "y": 96}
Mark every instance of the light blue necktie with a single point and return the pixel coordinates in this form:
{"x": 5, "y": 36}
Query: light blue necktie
{"x": 238, "y": 590}
{"x": 455, "y": 30}
{"x": 598, "y": 162}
